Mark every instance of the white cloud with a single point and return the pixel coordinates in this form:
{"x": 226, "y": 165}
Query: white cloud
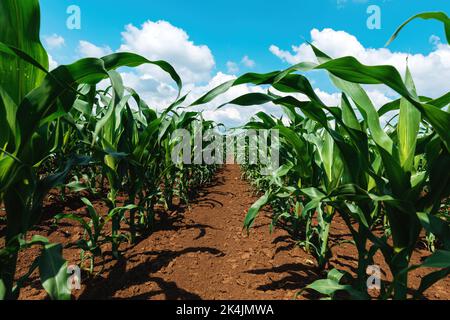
{"x": 159, "y": 95}
{"x": 378, "y": 98}
{"x": 230, "y": 115}
{"x": 429, "y": 71}
{"x": 87, "y": 49}
{"x": 330, "y": 99}
{"x": 435, "y": 41}
{"x": 52, "y": 64}
{"x": 162, "y": 41}
{"x": 232, "y": 67}
{"x": 195, "y": 64}
{"x": 249, "y": 63}
{"x": 54, "y": 41}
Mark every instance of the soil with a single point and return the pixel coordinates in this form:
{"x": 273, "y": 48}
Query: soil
{"x": 201, "y": 252}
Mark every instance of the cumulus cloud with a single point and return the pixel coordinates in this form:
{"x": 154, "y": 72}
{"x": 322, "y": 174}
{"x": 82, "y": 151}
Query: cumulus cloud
{"x": 230, "y": 115}
{"x": 54, "y": 41}
{"x": 330, "y": 99}
{"x": 334, "y": 99}
{"x": 87, "y": 49}
{"x": 435, "y": 41}
{"x": 232, "y": 67}
{"x": 161, "y": 40}
{"x": 340, "y": 43}
{"x": 195, "y": 63}
{"x": 52, "y": 64}
{"x": 249, "y": 63}
{"x": 157, "y": 94}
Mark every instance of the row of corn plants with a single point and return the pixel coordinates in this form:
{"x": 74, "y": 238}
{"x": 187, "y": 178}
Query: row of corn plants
{"x": 64, "y": 129}
{"x": 341, "y": 160}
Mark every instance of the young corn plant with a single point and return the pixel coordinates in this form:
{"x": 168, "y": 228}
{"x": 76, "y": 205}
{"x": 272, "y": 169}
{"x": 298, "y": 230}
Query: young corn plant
{"x": 32, "y": 101}
{"x": 395, "y": 175}
{"x": 25, "y": 142}
{"x": 283, "y": 189}
{"x": 95, "y": 233}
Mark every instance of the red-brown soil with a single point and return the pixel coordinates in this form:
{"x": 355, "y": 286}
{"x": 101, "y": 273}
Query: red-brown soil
{"x": 201, "y": 253}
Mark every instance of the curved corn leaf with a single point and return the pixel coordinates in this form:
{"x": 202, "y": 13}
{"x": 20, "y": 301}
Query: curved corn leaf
{"x": 350, "y": 69}
{"x": 254, "y": 211}
{"x": 436, "y": 226}
{"x": 429, "y": 280}
{"x": 439, "y": 16}
{"x": 19, "y": 22}
{"x": 439, "y": 259}
{"x": 408, "y": 128}
{"x": 254, "y": 78}
{"x": 53, "y": 272}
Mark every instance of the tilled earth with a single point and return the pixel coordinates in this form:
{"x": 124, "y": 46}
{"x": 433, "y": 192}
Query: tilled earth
{"x": 201, "y": 252}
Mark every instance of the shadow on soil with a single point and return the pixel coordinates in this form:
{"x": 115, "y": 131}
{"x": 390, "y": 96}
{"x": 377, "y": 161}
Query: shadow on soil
{"x": 120, "y": 278}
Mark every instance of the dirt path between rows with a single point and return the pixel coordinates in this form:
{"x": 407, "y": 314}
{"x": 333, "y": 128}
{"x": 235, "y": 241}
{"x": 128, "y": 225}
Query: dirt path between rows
{"x": 202, "y": 253}
{"x": 205, "y": 255}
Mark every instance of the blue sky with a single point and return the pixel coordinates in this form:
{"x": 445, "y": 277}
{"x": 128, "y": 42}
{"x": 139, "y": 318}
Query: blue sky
{"x": 233, "y": 29}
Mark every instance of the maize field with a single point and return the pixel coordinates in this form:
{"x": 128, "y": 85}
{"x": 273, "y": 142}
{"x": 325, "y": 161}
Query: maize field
{"x": 81, "y": 151}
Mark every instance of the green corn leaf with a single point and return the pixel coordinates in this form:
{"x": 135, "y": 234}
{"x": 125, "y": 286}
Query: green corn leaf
{"x": 121, "y": 210}
{"x": 439, "y": 259}
{"x": 266, "y": 119}
{"x": 214, "y": 93}
{"x": 78, "y": 219}
{"x": 408, "y": 128}
{"x": 8, "y": 109}
{"x": 439, "y": 16}
{"x": 296, "y": 83}
{"x": 365, "y": 105}
{"x": 21, "y": 281}
{"x": 436, "y": 226}
{"x": 250, "y": 99}
{"x": 145, "y": 139}
{"x": 42, "y": 101}
{"x": 35, "y": 240}
{"x": 53, "y": 272}
{"x": 330, "y": 287}
{"x": 93, "y": 216}
{"x": 8, "y": 172}
{"x": 254, "y": 78}
{"x": 441, "y": 102}
{"x": 19, "y": 22}
{"x": 430, "y": 279}
{"x": 254, "y": 211}
{"x": 335, "y": 275}
{"x": 351, "y": 70}
{"x": 12, "y": 52}
{"x": 348, "y": 114}
{"x": 327, "y": 287}
{"x": 126, "y": 59}
{"x": 388, "y": 107}
{"x": 2, "y": 290}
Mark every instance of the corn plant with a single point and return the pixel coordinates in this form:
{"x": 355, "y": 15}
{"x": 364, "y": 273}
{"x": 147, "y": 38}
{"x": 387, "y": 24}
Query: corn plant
{"x": 369, "y": 174}
{"x": 309, "y": 157}
{"x": 32, "y": 102}
{"x": 95, "y": 233}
